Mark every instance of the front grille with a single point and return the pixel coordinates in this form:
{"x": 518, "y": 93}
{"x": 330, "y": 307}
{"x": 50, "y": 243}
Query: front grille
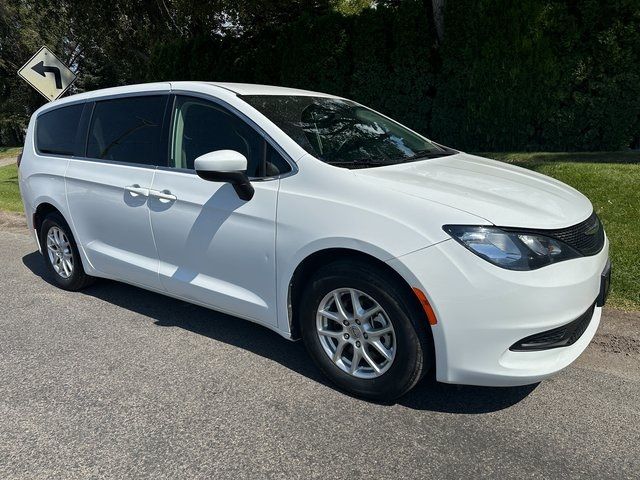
{"x": 586, "y": 237}
{"x": 558, "y": 337}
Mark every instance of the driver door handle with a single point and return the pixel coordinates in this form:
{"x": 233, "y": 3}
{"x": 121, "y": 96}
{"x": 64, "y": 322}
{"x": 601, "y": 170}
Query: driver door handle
{"x": 136, "y": 190}
{"x": 163, "y": 195}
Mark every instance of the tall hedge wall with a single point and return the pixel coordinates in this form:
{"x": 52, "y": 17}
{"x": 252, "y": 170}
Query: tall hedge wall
{"x": 553, "y": 75}
{"x": 531, "y": 74}
{"x": 508, "y": 75}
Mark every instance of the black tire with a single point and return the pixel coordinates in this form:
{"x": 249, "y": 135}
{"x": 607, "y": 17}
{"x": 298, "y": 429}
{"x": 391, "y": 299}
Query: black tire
{"x": 78, "y": 278}
{"x": 414, "y": 345}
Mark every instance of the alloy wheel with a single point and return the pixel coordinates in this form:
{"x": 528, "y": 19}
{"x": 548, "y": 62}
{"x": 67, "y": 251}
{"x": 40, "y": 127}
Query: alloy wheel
{"x": 60, "y": 253}
{"x": 356, "y": 333}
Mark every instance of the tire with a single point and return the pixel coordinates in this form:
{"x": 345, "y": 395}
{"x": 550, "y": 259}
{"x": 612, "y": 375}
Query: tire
{"x": 413, "y": 353}
{"x": 72, "y": 279}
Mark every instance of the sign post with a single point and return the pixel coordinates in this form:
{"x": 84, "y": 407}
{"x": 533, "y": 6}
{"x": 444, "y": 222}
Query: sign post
{"x": 47, "y": 74}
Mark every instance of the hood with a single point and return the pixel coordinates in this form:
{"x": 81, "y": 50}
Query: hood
{"x": 502, "y": 194}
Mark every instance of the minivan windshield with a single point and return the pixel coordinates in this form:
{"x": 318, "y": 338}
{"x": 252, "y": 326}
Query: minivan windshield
{"x": 343, "y": 133}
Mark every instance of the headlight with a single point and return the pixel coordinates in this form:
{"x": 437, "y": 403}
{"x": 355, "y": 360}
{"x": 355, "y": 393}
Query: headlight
{"x": 512, "y": 250}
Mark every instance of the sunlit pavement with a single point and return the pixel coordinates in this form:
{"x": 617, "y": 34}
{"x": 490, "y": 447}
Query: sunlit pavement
{"x": 117, "y": 382}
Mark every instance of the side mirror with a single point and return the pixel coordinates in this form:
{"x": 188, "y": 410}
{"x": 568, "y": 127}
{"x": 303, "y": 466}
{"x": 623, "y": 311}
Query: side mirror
{"x": 226, "y": 166}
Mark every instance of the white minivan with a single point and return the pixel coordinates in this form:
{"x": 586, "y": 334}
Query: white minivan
{"x": 389, "y": 255}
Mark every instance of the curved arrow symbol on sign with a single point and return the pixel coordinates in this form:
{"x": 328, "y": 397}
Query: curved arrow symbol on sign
{"x": 42, "y": 70}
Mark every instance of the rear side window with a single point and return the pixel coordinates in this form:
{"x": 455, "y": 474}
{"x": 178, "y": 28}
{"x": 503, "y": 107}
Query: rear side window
{"x": 128, "y": 130}
{"x": 57, "y": 131}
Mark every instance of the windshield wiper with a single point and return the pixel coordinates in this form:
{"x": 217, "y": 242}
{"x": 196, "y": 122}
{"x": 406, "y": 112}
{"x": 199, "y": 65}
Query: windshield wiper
{"x": 425, "y": 154}
{"x": 370, "y": 162}
{"x": 365, "y": 162}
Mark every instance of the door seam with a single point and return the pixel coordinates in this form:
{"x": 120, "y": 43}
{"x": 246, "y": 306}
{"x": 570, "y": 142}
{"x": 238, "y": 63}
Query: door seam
{"x": 276, "y": 299}
{"x": 153, "y": 235}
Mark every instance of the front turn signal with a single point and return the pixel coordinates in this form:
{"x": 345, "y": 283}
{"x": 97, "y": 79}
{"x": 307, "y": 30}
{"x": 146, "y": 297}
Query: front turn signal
{"x": 426, "y": 306}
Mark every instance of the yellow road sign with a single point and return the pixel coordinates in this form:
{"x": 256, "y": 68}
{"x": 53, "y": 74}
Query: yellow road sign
{"x": 47, "y": 74}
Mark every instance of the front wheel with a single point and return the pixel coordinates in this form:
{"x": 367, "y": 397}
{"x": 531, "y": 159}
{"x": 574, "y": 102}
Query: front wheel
{"x": 364, "y": 330}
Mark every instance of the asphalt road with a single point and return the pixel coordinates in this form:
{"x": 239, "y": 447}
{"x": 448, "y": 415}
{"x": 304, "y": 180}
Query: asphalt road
{"x": 116, "y": 382}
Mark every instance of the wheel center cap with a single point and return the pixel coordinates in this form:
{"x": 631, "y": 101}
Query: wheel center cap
{"x": 355, "y": 331}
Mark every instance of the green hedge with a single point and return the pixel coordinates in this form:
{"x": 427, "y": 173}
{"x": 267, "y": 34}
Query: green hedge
{"x": 383, "y": 57}
{"x": 546, "y": 75}
{"x": 526, "y": 75}
{"x": 508, "y": 75}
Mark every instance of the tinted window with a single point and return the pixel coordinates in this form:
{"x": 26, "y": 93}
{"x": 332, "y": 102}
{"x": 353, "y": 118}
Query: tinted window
{"x": 201, "y": 127}
{"x": 344, "y": 133}
{"x": 275, "y": 164}
{"x": 128, "y": 130}
{"x": 57, "y": 131}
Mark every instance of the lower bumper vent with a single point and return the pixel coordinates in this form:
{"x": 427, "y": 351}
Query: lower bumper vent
{"x": 558, "y": 337}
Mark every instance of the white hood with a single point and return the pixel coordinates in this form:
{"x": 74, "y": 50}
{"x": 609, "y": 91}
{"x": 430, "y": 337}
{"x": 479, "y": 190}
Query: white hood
{"x": 503, "y": 194}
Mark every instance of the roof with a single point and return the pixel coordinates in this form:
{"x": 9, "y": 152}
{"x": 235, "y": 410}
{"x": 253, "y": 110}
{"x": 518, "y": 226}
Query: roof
{"x": 255, "y": 89}
{"x": 237, "y": 88}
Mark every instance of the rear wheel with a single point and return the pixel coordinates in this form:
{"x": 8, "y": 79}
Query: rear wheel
{"x": 364, "y": 330}
{"x": 61, "y": 254}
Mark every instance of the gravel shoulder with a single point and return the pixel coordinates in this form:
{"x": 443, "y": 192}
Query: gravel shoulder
{"x": 8, "y": 161}
{"x": 14, "y": 222}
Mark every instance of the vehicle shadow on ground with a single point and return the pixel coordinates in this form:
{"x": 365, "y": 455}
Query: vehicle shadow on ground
{"x": 168, "y": 312}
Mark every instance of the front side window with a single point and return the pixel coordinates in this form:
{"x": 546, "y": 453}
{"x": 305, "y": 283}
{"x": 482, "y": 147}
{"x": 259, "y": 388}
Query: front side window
{"x": 57, "y": 131}
{"x": 128, "y": 130}
{"x": 201, "y": 127}
{"x": 343, "y": 133}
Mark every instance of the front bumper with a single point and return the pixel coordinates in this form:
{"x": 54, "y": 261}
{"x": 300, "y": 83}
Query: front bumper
{"x": 482, "y": 310}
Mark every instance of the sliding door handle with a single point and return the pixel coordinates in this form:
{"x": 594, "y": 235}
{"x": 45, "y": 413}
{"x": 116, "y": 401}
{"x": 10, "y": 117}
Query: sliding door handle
{"x": 136, "y": 190}
{"x": 163, "y": 195}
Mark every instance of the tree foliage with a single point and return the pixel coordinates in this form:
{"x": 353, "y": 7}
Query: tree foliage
{"x": 532, "y": 74}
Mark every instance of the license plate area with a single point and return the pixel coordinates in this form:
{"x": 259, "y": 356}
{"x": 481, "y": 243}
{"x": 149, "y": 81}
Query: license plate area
{"x": 605, "y": 285}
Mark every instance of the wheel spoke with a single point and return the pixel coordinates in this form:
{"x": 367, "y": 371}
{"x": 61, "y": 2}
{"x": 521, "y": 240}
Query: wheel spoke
{"x": 330, "y": 315}
{"x": 355, "y": 362}
{"x": 355, "y": 302}
{"x": 330, "y": 333}
{"x": 340, "y": 307}
{"x": 378, "y": 332}
{"x": 386, "y": 353}
{"x": 370, "y": 361}
{"x": 337, "y": 355}
{"x": 371, "y": 312}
